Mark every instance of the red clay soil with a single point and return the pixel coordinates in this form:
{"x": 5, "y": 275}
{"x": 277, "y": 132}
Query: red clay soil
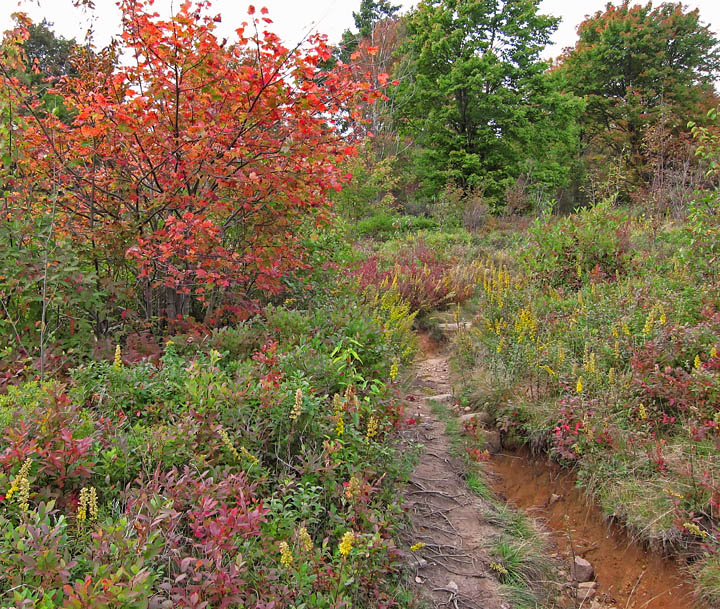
{"x": 628, "y": 576}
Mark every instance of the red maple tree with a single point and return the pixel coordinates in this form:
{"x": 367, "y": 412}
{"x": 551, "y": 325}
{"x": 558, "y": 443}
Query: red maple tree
{"x": 192, "y": 163}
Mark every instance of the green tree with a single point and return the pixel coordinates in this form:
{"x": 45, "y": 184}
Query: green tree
{"x": 484, "y": 108}
{"x": 638, "y": 67}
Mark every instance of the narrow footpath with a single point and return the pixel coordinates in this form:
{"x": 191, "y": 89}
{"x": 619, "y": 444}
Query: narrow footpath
{"x": 452, "y": 568}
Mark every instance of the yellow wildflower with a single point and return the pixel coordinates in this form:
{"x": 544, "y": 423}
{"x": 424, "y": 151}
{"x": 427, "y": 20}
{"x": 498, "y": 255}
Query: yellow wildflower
{"x": 305, "y": 539}
{"x": 698, "y": 362}
{"x": 496, "y": 566}
{"x": 117, "y": 364}
{"x": 227, "y": 442}
{"x": 297, "y": 407}
{"x": 611, "y": 376}
{"x": 394, "y": 370}
{"x": 663, "y": 317}
{"x": 92, "y": 503}
{"x": 625, "y": 328}
{"x": 88, "y": 504}
{"x": 337, "y": 404}
{"x": 346, "y": 543}
{"x": 418, "y": 546}
{"x": 82, "y": 505}
{"x": 694, "y": 529}
{"x": 579, "y": 386}
{"x": 713, "y": 352}
{"x": 615, "y": 332}
{"x": 353, "y": 488}
{"x": 18, "y": 480}
{"x": 24, "y": 494}
{"x": 642, "y": 413}
{"x": 649, "y": 323}
{"x": 249, "y": 456}
{"x": 548, "y": 369}
{"x": 372, "y": 428}
{"x": 340, "y": 425}
{"x": 286, "y": 557}
{"x": 500, "y": 345}
{"x": 561, "y": 354}
{"x": 617, "y": 349}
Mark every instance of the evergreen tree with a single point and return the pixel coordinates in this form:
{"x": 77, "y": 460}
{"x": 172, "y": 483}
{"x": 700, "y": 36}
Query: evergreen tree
{"x": 484, "y": 108}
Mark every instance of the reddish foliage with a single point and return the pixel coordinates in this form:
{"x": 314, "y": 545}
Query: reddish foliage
{"x": 421, "y": 278}
{"x": 197, "y": 161}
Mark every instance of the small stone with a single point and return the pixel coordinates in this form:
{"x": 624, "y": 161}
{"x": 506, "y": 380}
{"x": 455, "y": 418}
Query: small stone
{"x": 582, "y": 570}
{"x": 554, "y": 499}
{"x": 483, "y": 418}
{"x": 444, "y": 398}
{"x": 585, "y": 594}
{"x": 454, "y": 327}
{"x": 452, "y": 586}
{"x": 492, "y": 440}
{"x": 586, "y": 585}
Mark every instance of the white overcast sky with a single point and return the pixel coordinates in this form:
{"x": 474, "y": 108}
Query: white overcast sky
{"x": 293, "y": 18}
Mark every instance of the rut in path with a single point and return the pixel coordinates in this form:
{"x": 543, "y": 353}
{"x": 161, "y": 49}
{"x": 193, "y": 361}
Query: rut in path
{"x": 453, "y": 568}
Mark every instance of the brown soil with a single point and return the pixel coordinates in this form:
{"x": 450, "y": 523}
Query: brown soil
{"x": 452, "y": 569}
{"x": 628, "y": 576}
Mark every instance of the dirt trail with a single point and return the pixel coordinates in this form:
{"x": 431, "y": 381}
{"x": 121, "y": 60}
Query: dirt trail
{"x": 452, "y": 569}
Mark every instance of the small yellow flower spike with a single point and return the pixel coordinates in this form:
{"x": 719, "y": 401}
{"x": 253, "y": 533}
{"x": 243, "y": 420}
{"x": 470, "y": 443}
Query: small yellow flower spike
{"x": 286, "y": 557}
{"x": 297, "y": 407}
{"x": 579, "y": 386}
{"x": 346, "y": 543}
{"x": 496, "y": 566}
{"x": 698, "y": 362}
{"x": 694, "y": 529}
{"x": 642, "y": 413}
{"x": 249, "y": 456}
{"x": 713, "y": 352}
{"x": 418, "y": 546}
{"x": 611, "y": 376}
{"x": 117, "y": 363}
{"x": 305, "y": 539}
{"x": 372, "y": 428}
{"x": 394, "y": 370}
{"x": 24, "y": 494}
{"x": 17, "y": 482}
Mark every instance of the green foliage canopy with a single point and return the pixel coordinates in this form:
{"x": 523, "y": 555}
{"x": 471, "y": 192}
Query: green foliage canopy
{"x": 483, "y": 107}
{"x": 638, "y": 65}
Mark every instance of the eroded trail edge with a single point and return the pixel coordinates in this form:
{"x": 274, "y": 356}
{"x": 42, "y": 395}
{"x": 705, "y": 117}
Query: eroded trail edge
{"x": 453, "y": 566}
